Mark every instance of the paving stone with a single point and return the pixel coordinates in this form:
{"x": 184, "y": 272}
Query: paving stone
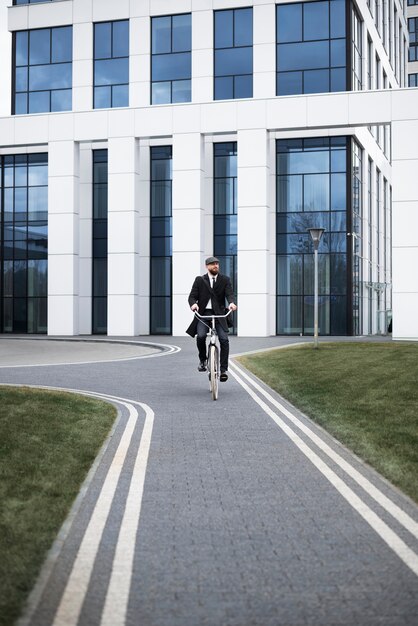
{"x": 237, "y": 527}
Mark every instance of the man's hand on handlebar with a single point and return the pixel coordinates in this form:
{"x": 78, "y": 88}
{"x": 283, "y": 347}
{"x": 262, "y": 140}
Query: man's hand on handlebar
{"x": 232, "y": 307}
{"x": 194, "y": 307}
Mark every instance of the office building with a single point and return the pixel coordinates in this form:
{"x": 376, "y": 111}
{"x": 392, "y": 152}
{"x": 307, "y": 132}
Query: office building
{"x": 138, "y": 137}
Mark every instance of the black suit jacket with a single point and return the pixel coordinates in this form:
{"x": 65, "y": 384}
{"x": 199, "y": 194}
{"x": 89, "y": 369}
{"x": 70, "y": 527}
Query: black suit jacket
{"x": 201, "y": 294}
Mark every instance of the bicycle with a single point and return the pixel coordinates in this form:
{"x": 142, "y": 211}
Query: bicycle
{"x": 213, "y": 352}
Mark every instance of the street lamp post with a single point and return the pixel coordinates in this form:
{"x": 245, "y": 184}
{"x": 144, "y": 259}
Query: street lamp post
{"x": 316, "y": 234}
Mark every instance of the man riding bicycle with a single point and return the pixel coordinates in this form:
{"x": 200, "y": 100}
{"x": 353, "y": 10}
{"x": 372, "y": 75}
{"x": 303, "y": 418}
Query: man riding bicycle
{"x": 207, "y": 297}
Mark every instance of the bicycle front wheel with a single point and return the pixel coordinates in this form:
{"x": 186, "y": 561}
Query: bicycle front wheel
{"x": 213, "y": 371}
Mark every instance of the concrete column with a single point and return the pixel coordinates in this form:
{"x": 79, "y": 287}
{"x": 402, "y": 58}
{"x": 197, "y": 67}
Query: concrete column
{"x": 63, "y": 238}
{"x": 188, "y": 222}
{"x": 139, "y": 61}
{"x": 255, "y": 227}
{"x": 405, "y": 230}
{"x": 264, "y": 50}
{"x": 144, "y": 237}
{"x": 123, "y": 176}
{"x": 82, "y": 66}
{"x": 202, "y": 56}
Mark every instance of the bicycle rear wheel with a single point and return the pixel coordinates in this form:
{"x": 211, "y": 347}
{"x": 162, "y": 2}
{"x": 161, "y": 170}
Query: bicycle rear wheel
{"x": 213, "y": 371}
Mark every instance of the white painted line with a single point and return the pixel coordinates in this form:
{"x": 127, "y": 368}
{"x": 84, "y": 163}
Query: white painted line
{"x": 116, "y": 603}
{"x": 386, "y": 503}
{"x": 77, "y": 585}
{"x": 408, "y": 556}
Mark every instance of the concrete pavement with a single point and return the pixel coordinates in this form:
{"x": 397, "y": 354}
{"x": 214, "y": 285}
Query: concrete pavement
{"x": 235, "y": 512}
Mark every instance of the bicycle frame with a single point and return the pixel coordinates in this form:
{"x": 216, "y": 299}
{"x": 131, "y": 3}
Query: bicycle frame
{"x": 213, "y": 351}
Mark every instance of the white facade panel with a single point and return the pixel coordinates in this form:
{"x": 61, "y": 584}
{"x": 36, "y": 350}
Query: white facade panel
{"x": 18, "y": 17}
{"x": 405, "y": 263}
{"x": 63, "y": 248}
{"x": 63, "y": 310}
{"x": 186, "y": 119}
{"x": 123, "y": 259}
{"x": 48, "y": 15}
{"x": 405, "y": 320}
{"x": 28, "y": 131}
{"x": 106, "y": 10}
{"x": 405, "y": 225}
{"x": 83, "y": 42}
{"x": 82, "y": 11}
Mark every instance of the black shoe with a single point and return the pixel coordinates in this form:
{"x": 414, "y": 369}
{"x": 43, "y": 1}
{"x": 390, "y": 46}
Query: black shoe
{"x": 202, "y": 367}
{"x": 224, "y": 377}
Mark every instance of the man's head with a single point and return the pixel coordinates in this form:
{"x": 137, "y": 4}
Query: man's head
{"x": 212, "y": 265}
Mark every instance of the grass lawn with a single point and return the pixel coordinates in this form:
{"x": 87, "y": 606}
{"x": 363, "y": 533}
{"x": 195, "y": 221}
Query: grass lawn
{"x": 364, "y": 394}
{"x": 48, "y": 442}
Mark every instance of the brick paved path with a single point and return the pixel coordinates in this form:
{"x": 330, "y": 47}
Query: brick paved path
{"x": 239, "y": 524}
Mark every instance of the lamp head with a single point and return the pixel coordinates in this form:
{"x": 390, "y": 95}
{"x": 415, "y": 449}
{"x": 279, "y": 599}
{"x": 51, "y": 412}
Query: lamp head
{"x": 316, "y": 234}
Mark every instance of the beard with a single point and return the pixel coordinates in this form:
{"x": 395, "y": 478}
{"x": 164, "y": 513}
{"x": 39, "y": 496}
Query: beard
{"x": 214, "y": 271}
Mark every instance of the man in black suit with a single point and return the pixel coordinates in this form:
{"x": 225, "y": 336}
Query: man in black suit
{"x": 207, "y": 297}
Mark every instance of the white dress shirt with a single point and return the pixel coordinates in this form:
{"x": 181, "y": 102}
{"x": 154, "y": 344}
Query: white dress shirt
{"x": 212, "y": 281}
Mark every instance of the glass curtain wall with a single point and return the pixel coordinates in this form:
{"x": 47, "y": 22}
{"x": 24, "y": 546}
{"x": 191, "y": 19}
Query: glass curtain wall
{"x": 111, "y": 64}
{"x": 413, "y": 39}
{"x": 357, "y": 239}
{"x": 225, "y": 211}
{"x": 370, "y": 243}
{"x": 356, "y": 51}
{"x": 42, "y": 69}
{"x": 379, "y": 255}
{"x": 311, "y": 47}
{"x": 161, "y": 241}
{"x": 99, "y": 295}
{"x": 15, "y": 2}
{"x": 24, "y": 243}
{"x": 233, "y": 54}
{"x": 171, "y": 59}
{"x": 312, "y": 192}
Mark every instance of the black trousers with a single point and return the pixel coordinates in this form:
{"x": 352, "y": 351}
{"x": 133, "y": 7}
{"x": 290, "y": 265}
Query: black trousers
{"x": 202, "y": 331}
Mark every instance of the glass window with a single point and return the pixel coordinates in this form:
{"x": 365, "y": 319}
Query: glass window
{"x": 311, "y": 193}
{"x": 99, "y": 242}
{"x": 233, "y": 55}
{"x": 43, "y": 70}
{"x": 111, "y": 64}
{"x": 225, "y": 207}
{"x": 311, "y": 47}
{"x": 161, "y": 240}
{"x": 316, "y": 20}
{"x": 15, "y": 2}
{"x": 171, "y": 59}
{"x": 413, "y": 80}
{"x": 24, "y": 253}
{"x": 356, "y": 51}
{"x": 413, "y": 39}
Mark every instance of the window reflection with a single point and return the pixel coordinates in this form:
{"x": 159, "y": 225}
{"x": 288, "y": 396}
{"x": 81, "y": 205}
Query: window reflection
{"x": 311, "y": 193}
{"x": 225, "y": 209}
{"x": 233, "y": 54}
{"x": 171, "y": 64}
{"x": 100, "y": 221}
{"x": 111, "y": 64}
{"x": 161, "y": 240}
{"x": 311, "y": 47}
{"x": 24, "y": 253}
{"x": 43, "y": 70}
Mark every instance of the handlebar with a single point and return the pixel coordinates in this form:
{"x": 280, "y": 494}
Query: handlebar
{"x": 209, "y": 317}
